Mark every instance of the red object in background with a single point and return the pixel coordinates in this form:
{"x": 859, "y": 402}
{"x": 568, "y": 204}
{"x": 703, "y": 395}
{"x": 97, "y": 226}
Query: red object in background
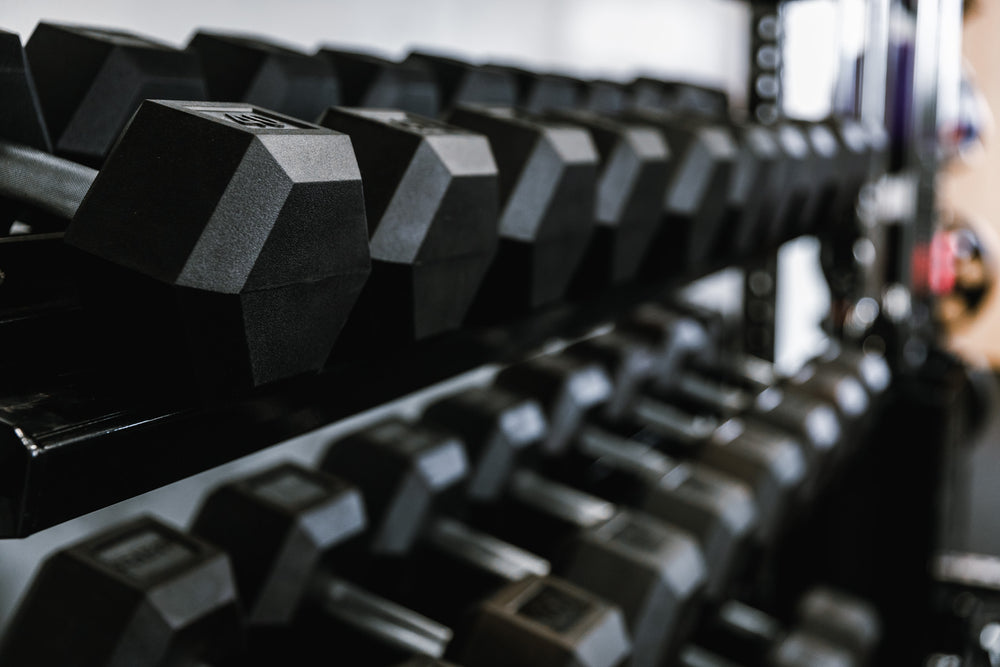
{"x": 933, "y": 264}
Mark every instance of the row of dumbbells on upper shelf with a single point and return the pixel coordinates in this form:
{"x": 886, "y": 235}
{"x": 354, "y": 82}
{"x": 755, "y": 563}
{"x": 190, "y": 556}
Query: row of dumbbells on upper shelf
{"x": 247, "y": 234}
{"x": 646, "y": 469}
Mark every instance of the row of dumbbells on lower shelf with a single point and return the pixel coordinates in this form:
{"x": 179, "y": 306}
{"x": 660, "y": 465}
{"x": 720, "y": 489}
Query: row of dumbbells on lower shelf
{"x": 243, "y": 236}
{"x": 598, "y": 505}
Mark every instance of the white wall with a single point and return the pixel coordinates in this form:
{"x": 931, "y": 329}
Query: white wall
{"x": 705, "y": 39}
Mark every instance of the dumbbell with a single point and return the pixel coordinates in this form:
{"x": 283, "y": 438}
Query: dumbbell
{"x": 368, "y": 80}
{"x": 20, "y": 116}
{"x": 768, "y": 460}
{"x": 431, "y": 202}
{"x": 842, "y": 619}
{"x": 237, "y": 271}
{"x": 693, "y": 211}
{"x": 430, "y": 189}
{"x": 846, "y": 378}
{"x": 602, "y": 96}
{"x": 813, "y": 421}
{"x": 840, "y": 384}
{"x": 411, "y": 475}
{"x": 277, "y": 525}
{"x": 747, "y": 222}
{"x": 459, "y": 82}
{"x": 138, "y": 593}
{"x": 634, "y": 168}
{"x": 538, "y": 92}
{"x": 241, "y": 68}
{"x": 548, "y": 172}
{"x": 790, "y": 188}
{"x": 91, "y": 80}
{"x": 631, "y": 362}
{"x": 759, "y": 157}
{"x": 750, "y": 637}
{"x": 657, "y": 94}
{"x": 653, "y": 571}
{"x": 718, "y": 511}
{"x": 633, "y": 176}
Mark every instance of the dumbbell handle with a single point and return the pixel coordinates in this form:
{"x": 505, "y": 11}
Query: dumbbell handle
{"x": 46, "y": 182}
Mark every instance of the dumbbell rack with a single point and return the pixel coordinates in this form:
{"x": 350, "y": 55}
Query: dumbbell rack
{"x": 63, "y": 435}
{"x": 75, "y": 444}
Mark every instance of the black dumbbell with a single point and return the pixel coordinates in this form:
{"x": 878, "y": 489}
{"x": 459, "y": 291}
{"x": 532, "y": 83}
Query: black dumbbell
{"x": 768, "y": 460}
{"x": 602, "y": 95}
{"x": 714, "y": 506}
{"x": 798, "y": 203}
{"x": 139, "y": 593}
{"x": 704, "y": 156}
{"x": 277, "y": 525}
{"x": 21, "y": 116}
{"x": 431, "y": 203}
{"x": 718, "y": 511}
{"x": 633, "y": 163}
{"x": 813, "y": 421}
{"x": 747, "y": 225}
{"x": 241, "y": 68}
{"x": 658, "y": 94}
{"x": 368, "y": 80}
{"x": 841, "y": 619}
{"x": 91, "y": 80}
{"x": 548, "y": 172}
{"x": 848, "y": 379}
{"x": 235, "y": 271}
{"x": 460, "y": 82}
{"x": 653, "y": 571}
{"x": 648, "y": 345}
{"x": 412, "y": 475}
{"x": 751, "y": 637}
{"x": 538, "y": 92}
{"x": 838, "y": 384}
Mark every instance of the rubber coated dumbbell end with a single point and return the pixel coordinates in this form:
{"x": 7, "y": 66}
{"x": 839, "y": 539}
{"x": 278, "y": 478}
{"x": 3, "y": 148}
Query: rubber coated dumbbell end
{"x": 249, "y": 228}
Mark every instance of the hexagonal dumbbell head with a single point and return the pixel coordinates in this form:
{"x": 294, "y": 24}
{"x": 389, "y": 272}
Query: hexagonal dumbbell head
{"x": 403, "y": 470}
{"x": 497, "y": 427}
{"x": 91, "y": 80}
{"x": 626, "y": 360}
{"x": 603, "y": 96}
{"x": 544, "y": 621}
{"x": 249, "y": 69}
{"x": 21, "y": 119}
{"x": 20, "y": 115}
{"x": 253, "y": 257}
{"x": 542, "y": 92}
{"x": 140, "y": 593}
{"x": 462, "y": 83}
{"x": 367, "y": 80}
{"x": 631, "y": 185}
{"x": 275, "y": 525}
{"x": 660, "y": 95}
{"x": 747, "y": 226}
{"x": 567, "y": 389}
{"x": 431, "y": 199}
{"x": 548, "y": 176}
{"x": 650, "y": 569}
{"x": 705, "y": 153}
